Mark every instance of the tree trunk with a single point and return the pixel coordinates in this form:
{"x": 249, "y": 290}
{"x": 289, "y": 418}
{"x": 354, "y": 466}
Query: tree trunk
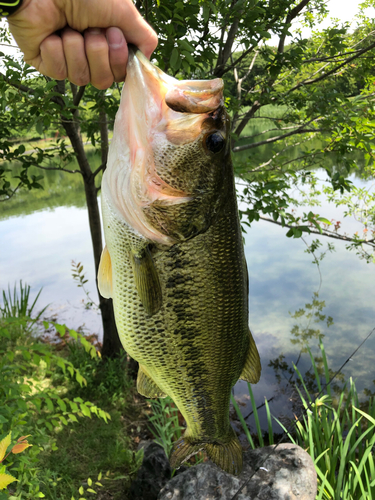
{"x": 112, "y": 346}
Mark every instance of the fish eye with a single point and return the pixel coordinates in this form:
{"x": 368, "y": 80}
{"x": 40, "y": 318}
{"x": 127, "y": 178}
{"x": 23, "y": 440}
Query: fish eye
{"x": 215, "y": 142}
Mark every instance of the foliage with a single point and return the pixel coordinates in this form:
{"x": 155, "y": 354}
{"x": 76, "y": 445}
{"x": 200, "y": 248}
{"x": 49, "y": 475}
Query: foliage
{"x": 312, "y": 96}
{"x": 67, "y": 382}
{"x": 16, "y": 305}
{"x": 321, "y": 87}
{"x": 165, "y": 427}
{"x": 19, "y": 447}
{"x": 164, "y": 423}
{"x": 80, "y": 279}
{"x": 339, "y": 436}
{"x": 30, "y": 402}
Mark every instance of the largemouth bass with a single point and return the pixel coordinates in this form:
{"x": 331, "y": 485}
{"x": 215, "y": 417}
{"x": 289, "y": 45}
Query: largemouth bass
{"x": 174, "y": 262}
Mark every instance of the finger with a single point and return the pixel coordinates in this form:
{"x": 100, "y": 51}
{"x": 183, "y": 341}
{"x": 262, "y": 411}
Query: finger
{"x": 118, "y": 53}
{"x": 122, "y": 14}
{"x": 97, "y": 53}
{"x": 52, "y": 60}
{"x": 75, "y": 57}
{"x": 136, "y": 29}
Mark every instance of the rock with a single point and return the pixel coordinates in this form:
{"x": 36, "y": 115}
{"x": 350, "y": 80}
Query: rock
{"x": 153, "y": 474}
{"x": 287, "y": 474}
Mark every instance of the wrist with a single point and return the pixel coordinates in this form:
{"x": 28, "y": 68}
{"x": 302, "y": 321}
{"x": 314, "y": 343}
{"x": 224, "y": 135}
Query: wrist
{"x": 9, "y": 7}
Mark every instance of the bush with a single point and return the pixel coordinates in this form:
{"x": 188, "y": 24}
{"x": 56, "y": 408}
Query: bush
{"x": 30, "y": 404}
{"x": 338, "y": 436}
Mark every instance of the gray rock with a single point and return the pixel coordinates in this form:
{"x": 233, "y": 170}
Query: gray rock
{"x": 153, "y": 474}
{"x": 287, "y": 474}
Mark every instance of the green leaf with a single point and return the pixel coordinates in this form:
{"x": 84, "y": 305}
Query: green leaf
{"x": 174, "y": 58}
{"x": 50, "y": 85}
{"x": 85, "y": 410}
{"x": 61, "y": 329}
{"x": 49, "y": 404}
{"x": 326, "y": 221}
{"x": 290, "y": 233}
{"x": 62, "y": 405}
{"x": 39, "y": 127}
{"x": 185, "y": 45}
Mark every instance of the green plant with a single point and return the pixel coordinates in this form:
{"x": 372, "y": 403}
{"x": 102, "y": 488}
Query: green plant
{"x": 338, "y": 435}
{"x": 30, "y": 403}
{"x": 165, "y": 425}
{"x": 16, "y": 304}
{"x": 80, "y": 279}
{"x": 19, "y": 447}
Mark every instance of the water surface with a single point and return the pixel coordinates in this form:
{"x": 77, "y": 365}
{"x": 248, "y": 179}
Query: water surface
{"x": 42, "y": 232}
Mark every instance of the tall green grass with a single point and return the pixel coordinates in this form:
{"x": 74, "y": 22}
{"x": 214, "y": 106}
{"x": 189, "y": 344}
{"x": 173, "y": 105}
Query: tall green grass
{"x": 16, "y": 303}
{"x": 339, "y": 436}
{"x": 164, "y": 423}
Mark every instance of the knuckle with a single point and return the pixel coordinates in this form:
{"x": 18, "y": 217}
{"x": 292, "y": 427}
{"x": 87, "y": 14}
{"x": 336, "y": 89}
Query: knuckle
{"x": 153, "y": 40}
{"x": 80, "y": 80}
{"x": 58, "y": 73}
{"x": 103, "y": 84}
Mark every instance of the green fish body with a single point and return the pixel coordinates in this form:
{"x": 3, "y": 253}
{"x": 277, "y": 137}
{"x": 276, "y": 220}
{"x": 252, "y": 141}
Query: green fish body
{"x": 174, "y": 262}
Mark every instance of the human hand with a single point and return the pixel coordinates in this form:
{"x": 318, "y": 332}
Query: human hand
{"x": 89, "y": 48}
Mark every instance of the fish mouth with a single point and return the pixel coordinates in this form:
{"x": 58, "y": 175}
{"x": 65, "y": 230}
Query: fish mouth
{"x": 187, "y": 96}
{"x": 179, "y": 108}
{"x": 155, "y": 109}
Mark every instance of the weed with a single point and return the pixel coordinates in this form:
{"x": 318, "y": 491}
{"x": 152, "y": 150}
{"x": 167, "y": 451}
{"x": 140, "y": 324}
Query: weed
{"x": 164, "y": 423}
{"x": 16, "y": 303}
{"x": 339, "y": 437}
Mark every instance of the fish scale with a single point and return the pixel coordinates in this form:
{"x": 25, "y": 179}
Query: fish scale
{"x": 176, "y": 269}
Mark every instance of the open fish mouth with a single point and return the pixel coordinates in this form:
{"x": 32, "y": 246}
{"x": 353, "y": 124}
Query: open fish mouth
{"x": 186, "y": 96}
{"x": 155, "y": 109}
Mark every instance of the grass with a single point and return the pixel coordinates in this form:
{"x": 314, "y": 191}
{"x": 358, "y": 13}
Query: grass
{"x": 164, "y": 423}
{"x": 338, "y": 435}
{"x": 16, "y": 303}
{"x": 73, "y": 456}
{"x": 55, "y": 396}
{"x": 93, "y": 446}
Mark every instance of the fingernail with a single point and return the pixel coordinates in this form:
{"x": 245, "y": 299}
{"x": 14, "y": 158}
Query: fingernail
{"x": 115, "y": 37}
{"x": 95, "y": 31}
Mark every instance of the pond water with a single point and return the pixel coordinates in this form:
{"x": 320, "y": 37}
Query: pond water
{"x": 43, "y": 231}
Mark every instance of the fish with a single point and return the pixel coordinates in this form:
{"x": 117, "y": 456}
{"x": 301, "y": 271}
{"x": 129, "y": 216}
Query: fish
{"x": 174, "y": 260}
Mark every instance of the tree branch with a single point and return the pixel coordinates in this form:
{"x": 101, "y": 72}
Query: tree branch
{"x": 329, "y": 73}
{"x": 79, "y": 95}
{"x": 99, "y": 169}
{"x": 326, "y": 232}
{"x": 13, "y": 192}
{"x": 18, "y": 86}
{"x": 275, "y": 139}
{"x": 62, "y": 169}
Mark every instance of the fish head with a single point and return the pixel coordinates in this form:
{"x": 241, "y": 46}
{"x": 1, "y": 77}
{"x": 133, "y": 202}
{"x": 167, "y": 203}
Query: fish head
{"x": 170, "y": 154}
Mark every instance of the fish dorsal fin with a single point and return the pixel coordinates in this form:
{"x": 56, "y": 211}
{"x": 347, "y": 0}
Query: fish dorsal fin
{"x": 105, "y": 274}
{"x": 146, "y": 280}
{"x": 251, "y": 370}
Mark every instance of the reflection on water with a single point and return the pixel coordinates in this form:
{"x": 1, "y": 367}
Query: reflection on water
{"x": 43, "y": 231}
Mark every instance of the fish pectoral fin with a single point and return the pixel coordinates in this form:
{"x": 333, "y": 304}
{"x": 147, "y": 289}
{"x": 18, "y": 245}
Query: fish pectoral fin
{"x": 105, "y": 274}
{"x": 146, "y": 386}
{"x": 146, "y": 280}
{"x": 226, "y": 454}
{"x": 251, "y": 370}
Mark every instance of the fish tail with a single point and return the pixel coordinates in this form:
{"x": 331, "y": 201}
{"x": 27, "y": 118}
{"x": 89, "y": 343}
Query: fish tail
{"x": 226, "y": 454}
